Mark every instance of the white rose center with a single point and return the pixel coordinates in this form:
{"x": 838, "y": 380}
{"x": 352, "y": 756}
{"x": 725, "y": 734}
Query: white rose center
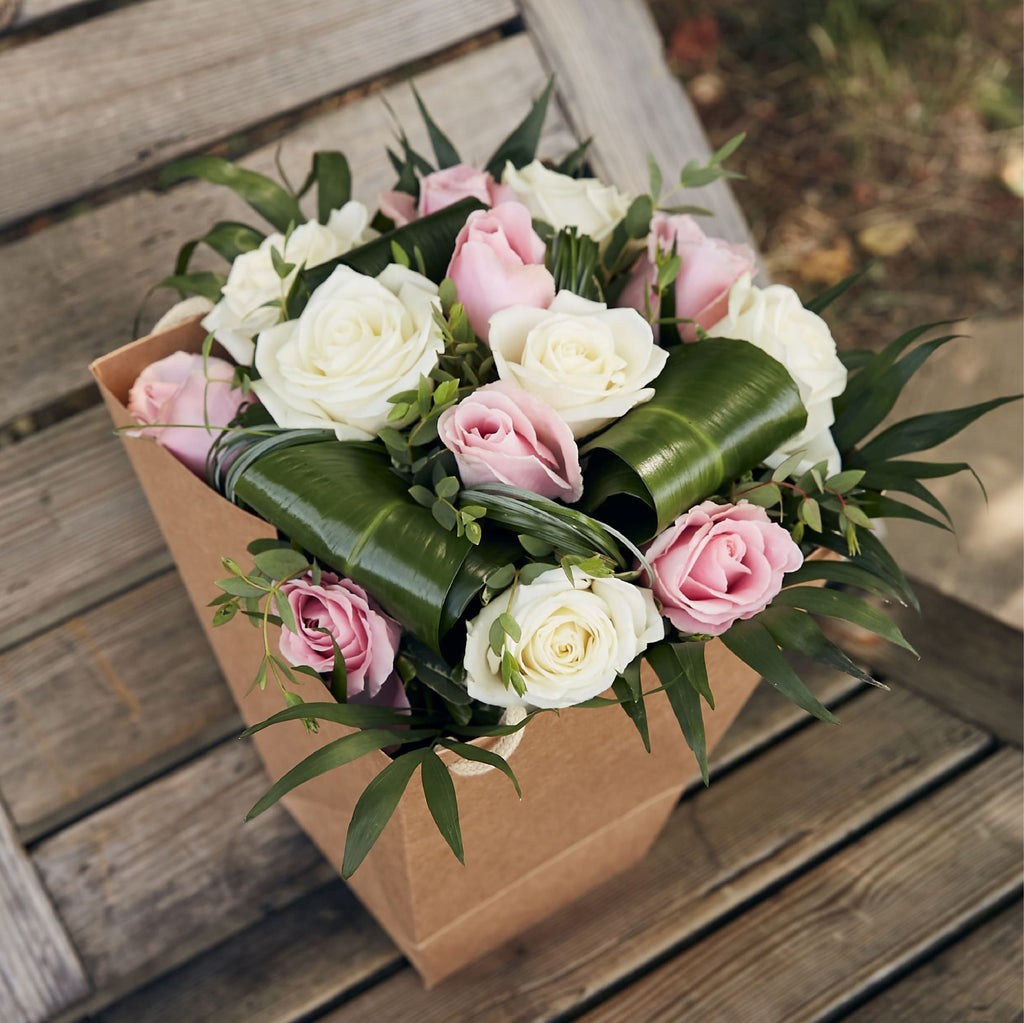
{"x": 576, "y": 351}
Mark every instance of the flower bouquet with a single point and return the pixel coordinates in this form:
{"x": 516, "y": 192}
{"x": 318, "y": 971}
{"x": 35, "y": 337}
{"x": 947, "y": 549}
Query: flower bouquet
{"x": 515, "y": 444}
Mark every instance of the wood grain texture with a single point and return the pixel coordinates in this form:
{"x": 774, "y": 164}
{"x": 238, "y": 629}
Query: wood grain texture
{"x": 754, "y": 828}
{"x": 804, "y": 952}
{"x": 75, "y": 286}
{"x": 150, "y": 880}
{"x": 977, "y": 980}
{"x": 339, "y": 953}
{"x": 137, "y": 667}
{"x": 970, "y": 663}
{"x": 33, "y": 10}
{"x": 39, "y": 971}
{"x": 70, "y": 509}
{"x": 616, "y": 87}
{"x": 128, "y": 91}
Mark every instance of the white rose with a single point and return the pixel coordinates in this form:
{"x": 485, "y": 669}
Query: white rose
{"x": 564, "y": 201}
{"x": 588, "y": 362}
{"x": 242, "y": 311}
{"x": 775, "y": 320}
{"x": 575, "y": 638}
{"x": 358, "y": 341}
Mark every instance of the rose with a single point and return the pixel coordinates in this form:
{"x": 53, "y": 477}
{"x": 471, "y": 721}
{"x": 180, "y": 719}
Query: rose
{"x": 563, "y": 201}
{"x": 575, "y": 637}
{"x": 774, "y": 320}
{"x": 193, "y": 392}
{"x": 498, "y": 262}
{"x": 502, "y": 434}
{"x": 709, "y": 268}
{"x": 366, "y": 638}
{"x": 243, "y": 312}
{"x": 358, "y": 341}
{"x": 718, "y": 564}
{"x": 441, "y": 188}
{"x": 588, "y": 362}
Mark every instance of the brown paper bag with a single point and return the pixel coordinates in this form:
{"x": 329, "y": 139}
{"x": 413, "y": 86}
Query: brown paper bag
{"x": 593, "y": 798}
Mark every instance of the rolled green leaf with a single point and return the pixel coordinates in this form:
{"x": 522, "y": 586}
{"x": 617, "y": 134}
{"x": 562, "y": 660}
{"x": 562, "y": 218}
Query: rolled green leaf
{"x": 343, "y": 504}
{"x": 721, "y": 406}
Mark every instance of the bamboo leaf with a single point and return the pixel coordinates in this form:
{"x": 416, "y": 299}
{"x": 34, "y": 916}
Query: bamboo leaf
{"x": 821, "y": 302}
{"x": 354, "y": 715}
{"x": 446, "y": 153}
{"x": 327, "y": 758}
{"x": 684, "y": 698}
{"x": 227, "y": 238}
{"x": 484, "y": 756}
{"x": 633, "y": 705}
{"x": 375, "y": 806}
{"x": 720, "y": 407}
{"x": 333, "y": 182}
{"x": 836, "y": 604}
{"x": 844, "y": 572}
{"x": 752, "y": 644}
{"x": 880, "y": 507}
{"x": 873, "y": 558}
{"x": 265, "y": 196}
{"x": 439, "y": 791}
{"x": 520, "y": 147}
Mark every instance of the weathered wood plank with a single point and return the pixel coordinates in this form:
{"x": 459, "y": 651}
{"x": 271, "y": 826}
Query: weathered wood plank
{"x": 616, "y": 87}
{"x": 137, "y": 667}
{"x": 70, "y": 510}
{"x": 805, "y": 952}
{"x": 39, "y": 971}
{"x": 754, "y": 828}
{"x": 75, "y": 287}
{"x": 126, "y": 92}
{"x": 970, "y": 663}
{"x": 148, "y": 881}
{"x": 219, "y": 985}
{"x": 976, "y": 980}
{"x": 31, "y": 11}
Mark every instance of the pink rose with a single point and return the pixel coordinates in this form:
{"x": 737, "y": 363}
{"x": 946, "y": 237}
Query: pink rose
{"x": 499, "y": 262}
{"x": 442, "y": 188}
{"x": 503, "y": 434}
{"x": 182, "y": 389}
{"x": 710, "y": 267}
{"x": 367, "y": 638}
{"x": 719, "y": 563}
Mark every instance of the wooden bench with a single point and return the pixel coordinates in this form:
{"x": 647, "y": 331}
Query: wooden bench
{"x": 869, "y": 868}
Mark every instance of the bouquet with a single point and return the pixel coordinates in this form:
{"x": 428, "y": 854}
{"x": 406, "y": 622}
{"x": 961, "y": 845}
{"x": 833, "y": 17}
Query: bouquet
{"x": 519, "y": 434}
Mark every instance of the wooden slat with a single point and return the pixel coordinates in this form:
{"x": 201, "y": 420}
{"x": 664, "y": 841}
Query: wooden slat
{"x": 977, "y": 980}
{"x": 32, "y": 10}
{"x": 74, "y": 525}
{"x": 137, "y": 667}
{"x": 755, "y": 827}
{"x": 75, "y": 287}
{"x": 39, "y": 971}
{"x": 126, "y": 92}
{"x": 805, "y": 952}
{"x": 171, "y": 869}
{"x": 615, "y": 85}
{"x": 220, "y": 984}
{"x": 970, "y": 663}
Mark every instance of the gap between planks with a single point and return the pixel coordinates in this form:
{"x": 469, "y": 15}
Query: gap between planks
{"x": 739, "y": 839}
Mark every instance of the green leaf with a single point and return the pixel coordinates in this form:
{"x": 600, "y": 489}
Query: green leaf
{"x": 378, "y": 537}
{"x": 375, "y": 806}
{"x": 284, "y": 609}
{"x": 434, "y": 234}
{"x": 575, "y": 160}
{"x": 730, "y": 147}
{"x": 720, "y": 407}
{"x": 446, "y": 153}
{"x": 265, "y": 196}
{"x": 439, "y": 791}
{"x": 227, "y": 238}
{"x": 922, "y": 432}
{"x": 654, "y": 177}
{"x": 280, "y": 562}
{"x": 435, "y": 673}
{"x": 202, "y": 282}
{"x": 354, "y": 715}
{"x": 796, "y": 630}
{"x": 836, "y": 604}
{"x": 873, "y": 558}
{"x": 691, "y": 659}
{"x": 684, "y": 698}
{"x": 240, "y": 587}
{"x": 333, "y": 182}
{"x": 635, "y": 709}
{"x": 846, "y": 573}
{"x": 879, "y": 507}
{"x": 821, "y": 302}
{"x": 327, "y": 758}
{"x": 483, "y": 756}
{"x": 520, "y": 147}
{"x": 752, "y": 644}
{"x": 638, "y": 217}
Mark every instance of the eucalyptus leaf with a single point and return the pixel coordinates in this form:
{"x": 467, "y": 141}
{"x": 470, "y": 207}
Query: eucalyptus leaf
{"x": 280, "y": 562}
